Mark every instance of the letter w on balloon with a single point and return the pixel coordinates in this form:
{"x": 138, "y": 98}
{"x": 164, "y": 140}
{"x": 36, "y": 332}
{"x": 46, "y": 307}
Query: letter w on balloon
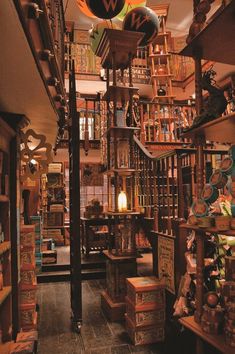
{"x": 137, "y": 21}
{"x": 110, "y": 3}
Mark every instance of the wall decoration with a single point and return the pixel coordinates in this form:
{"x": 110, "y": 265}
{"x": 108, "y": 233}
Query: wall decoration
{"x": 166, "y": 261}
{"x": 91, "y": 175}
{"x": 35, "y": 155}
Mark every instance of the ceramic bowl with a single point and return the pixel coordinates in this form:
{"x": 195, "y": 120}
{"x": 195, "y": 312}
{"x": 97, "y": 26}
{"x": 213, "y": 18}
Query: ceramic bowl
{"x": 226, "y": 165}
{"x": 200, "y": 208}
{"x": 218, "y": 179}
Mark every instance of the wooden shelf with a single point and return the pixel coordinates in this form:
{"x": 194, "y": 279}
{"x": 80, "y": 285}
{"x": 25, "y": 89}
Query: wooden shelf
{"x": 216, "y": 340}
{"x": 159, "y": 55}
{"x": 121, "y": 132}
{"x": 221, "y": 27}
{"x": 218, "y": 130}
{"x": 162, "y": 97}
{"x": 4, "y": 293}
{"x": 207, "y": 229}
{"x": 122, "y": 171}
{"x": 161, "y": 38}
{"x": 4, "y": 247}
{"x": 4, "y": 198}
{"x": 120, "y": 93}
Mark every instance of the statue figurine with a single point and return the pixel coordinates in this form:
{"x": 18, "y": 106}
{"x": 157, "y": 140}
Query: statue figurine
{"x": 214, "y": 105}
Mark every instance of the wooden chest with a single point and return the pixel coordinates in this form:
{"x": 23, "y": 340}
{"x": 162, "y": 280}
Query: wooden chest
{"x": 145, "y": 315}
{"x": 146, "y": 291}
{"x": 144, "y": 335}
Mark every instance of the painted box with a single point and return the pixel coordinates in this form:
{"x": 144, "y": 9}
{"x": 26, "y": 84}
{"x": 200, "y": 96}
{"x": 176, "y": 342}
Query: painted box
{"x": 145, "y": 315}
{"x": 27, "y": 276}
{"x": 27, "y": 315}
{"x": 144, "y": 335}
{"x": 146, "y": 291}
{"x": 28, "y": 294}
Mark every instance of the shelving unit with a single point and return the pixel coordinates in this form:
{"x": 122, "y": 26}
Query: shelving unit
{"x": 6, "y": 316}
{"x": 117, "y": 49}
{"x": 53, "y": 203}
{"x": 163, "y": 117}
{"x": 218, "y": 130}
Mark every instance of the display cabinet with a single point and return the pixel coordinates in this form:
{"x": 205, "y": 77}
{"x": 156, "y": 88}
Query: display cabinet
{"x": 117, "y": 50}
{"x": 5, "y": 234}
{"x": 219, "y": 130}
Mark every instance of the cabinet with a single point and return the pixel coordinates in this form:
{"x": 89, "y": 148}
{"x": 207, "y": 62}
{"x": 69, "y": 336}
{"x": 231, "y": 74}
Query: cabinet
{"x": 220, "y": 130}
{"x": 117, "y": 50}
{"x": 53, "y": 203}
{"x": 5, "y": 234}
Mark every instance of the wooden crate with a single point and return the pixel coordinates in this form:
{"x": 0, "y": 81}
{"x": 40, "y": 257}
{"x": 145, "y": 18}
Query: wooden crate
{"x": 145, "y": 334}
{"x": 146, "y": 291}
{"x": 145, "y": 315}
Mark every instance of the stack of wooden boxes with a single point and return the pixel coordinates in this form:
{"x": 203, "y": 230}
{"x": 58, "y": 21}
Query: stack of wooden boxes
{"x": 28, "y": 283}
{"x": 38, "y": 240}
{"x": 145, "y": 310}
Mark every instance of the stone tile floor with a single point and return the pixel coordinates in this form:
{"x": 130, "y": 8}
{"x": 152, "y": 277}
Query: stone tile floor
{"x": 98, "y": 336}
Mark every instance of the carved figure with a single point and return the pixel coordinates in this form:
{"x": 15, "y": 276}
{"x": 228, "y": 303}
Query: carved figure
{"x": 215, "y": 104}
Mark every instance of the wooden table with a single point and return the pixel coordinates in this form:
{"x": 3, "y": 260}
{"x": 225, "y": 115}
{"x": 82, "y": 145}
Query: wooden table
{"x": 94, "y": 240}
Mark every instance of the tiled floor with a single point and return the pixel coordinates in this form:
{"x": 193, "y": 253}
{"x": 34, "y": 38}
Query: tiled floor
{"x": 98, "y": 336}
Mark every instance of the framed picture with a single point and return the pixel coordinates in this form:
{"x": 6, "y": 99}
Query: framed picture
{"x": 91, "y": 175}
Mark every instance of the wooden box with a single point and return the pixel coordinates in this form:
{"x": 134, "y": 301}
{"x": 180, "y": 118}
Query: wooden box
{"x": 144, "y": 335}
{"x": 27, "y": 276}
{"x": 27, "y": 240}
{"x": 30, "y": 336}
{"x": 145, "y": 315}
{"x": 27, "y": 258}
{"x": 146, "y": 291}
{"x": 49, "y": 257}
{"x": 28, "y": 294}
{"x": 22, "y": 348}
{"x": 27, "y": 315}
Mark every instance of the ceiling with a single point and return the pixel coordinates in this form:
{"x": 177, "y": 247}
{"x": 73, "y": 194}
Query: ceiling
{"x": 178, "y": 21}
{"x": 21, "y": 87}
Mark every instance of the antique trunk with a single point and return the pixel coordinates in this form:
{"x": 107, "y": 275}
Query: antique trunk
{"x": 145, "y": 334}
{"x": 145, "y": 315}
{"x": 146, "y": 291}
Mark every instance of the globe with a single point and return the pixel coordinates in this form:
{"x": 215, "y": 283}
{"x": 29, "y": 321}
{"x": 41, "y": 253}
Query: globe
{"x": 105, "y": 9}
{"x": 142, "y": 19}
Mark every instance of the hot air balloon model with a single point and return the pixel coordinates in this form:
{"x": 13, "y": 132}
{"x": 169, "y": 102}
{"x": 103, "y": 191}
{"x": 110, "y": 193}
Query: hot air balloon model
{"x": 105, "y": 9}
{"x": 129, "y": 5}
{"x": 142, "y": 19}
{"x": 83, "y": 7}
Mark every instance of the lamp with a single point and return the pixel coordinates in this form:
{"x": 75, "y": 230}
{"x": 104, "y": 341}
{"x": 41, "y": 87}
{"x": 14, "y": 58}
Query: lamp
{"x": 122, "y": 202}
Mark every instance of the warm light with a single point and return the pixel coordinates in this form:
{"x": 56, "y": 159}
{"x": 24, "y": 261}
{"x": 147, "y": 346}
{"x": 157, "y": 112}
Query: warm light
{"x": 122, "y": 201}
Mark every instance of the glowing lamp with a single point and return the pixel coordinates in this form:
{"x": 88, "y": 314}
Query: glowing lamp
{"x": 122, "y": 202}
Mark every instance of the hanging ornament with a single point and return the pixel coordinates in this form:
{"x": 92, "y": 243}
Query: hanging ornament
{"x": 97, "y": 31}
{"x": 83, "y": 7}
{"x": 130, "y": 5}
{"x": 142, "y": 19}
{"x": 105, "y": 9}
